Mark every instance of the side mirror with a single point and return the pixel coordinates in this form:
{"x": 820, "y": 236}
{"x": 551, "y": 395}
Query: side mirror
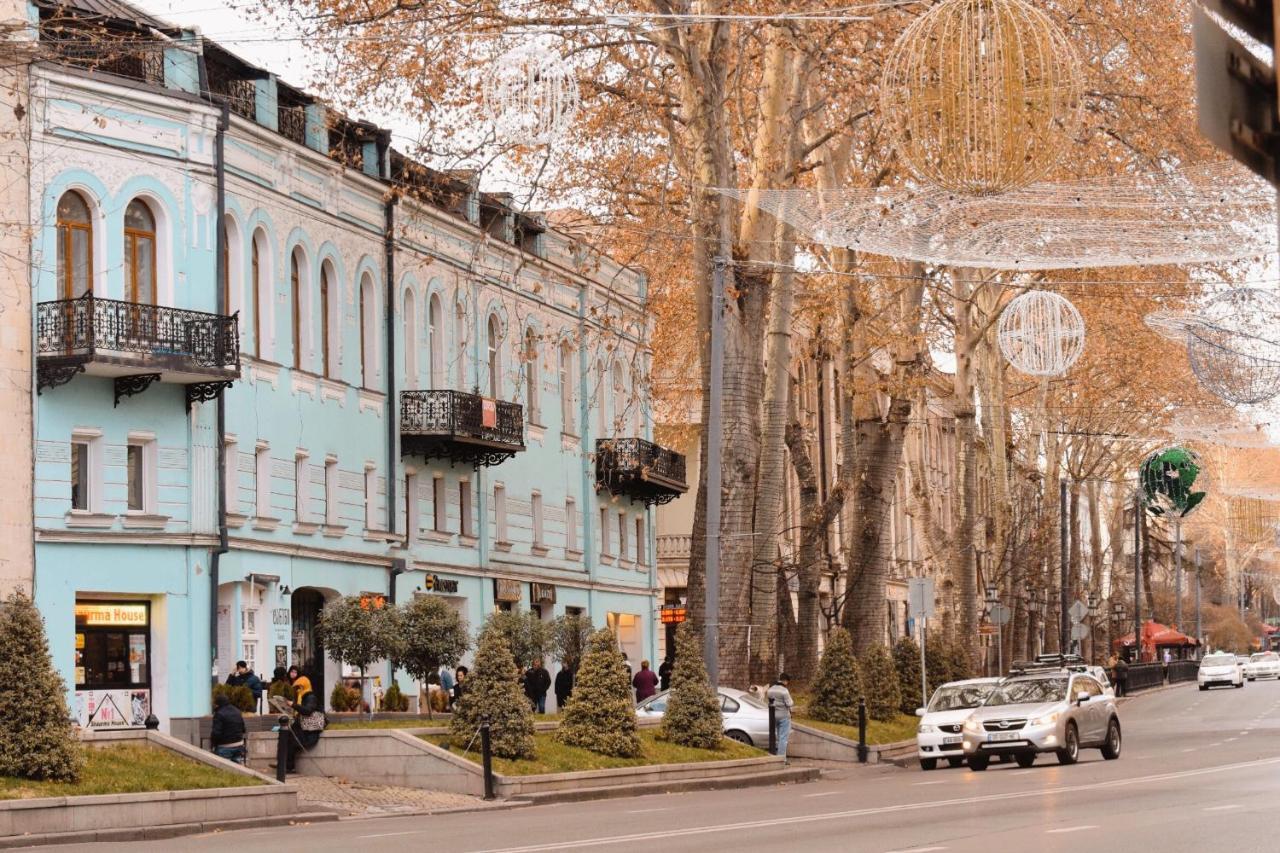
{"x": 1082, "y": 697}
{"x": 920, "y": 712}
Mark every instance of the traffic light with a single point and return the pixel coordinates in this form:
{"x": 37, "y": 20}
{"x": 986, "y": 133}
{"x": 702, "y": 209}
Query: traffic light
{"x": 1236, "y": 91}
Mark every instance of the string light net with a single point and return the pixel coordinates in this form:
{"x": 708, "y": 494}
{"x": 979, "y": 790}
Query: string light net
{"x": 1196, "y": 214}
{"x": 981, "y": 96}
{"x": 531, "y": 96}
{"x": 1231, "y": 344}
{"x": 1041, "y": 333}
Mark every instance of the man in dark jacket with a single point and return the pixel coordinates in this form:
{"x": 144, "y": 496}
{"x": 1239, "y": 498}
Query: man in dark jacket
{"x": 1122, "y": 677}
{"x": 664, "y": 673}
{"x": 245, "y": 677}
{"x": 564, "y": 686}
{"x": 537, "y": 681}
{"x": 226, "y": 737}
{"x": 645, "y": 682}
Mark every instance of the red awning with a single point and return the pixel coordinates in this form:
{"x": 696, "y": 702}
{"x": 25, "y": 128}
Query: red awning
{"x": 1154, "y": 635}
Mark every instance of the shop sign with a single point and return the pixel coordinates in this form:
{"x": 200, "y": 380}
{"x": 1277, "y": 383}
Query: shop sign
{"x": 542, "y": 592}
{"x": 281, "y": 616}
{"x": 506, "y": 590}
{"x": 435, "y": 583}
{"x": 674, "y": 614}
{"x": 108, "y": 709}
{"x": 111, "y": 615}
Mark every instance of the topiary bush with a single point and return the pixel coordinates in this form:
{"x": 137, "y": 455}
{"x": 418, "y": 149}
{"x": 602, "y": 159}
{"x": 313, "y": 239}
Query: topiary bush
{"x": 906, "y": 660}
{"x": 600, "y": 715}
{"x": 838, "y": 684}
{"x": 492, "y": 690}
{"x": 36, "y": 737}
{"x": 693, "y": 715}
{"x": 880, "y": 683}
{"x": 343, "y": 698}
{"x": 527, "y": 636}
{"x": 239, "y": 695}
{"x": 394, "y": 700}
{"x": 280, "y": 688}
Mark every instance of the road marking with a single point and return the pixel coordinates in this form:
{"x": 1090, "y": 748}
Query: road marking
{"x": 646, "y": 811}
{"x": 939, "y": 782}
{"x": 824, "y": 794}
{"x": 918, "y": 850}
{"x": 1193, "y": 749}
{"x": 389, "y": 834}
{"x": 1070, "y": 829}
{"x": 1021, "y": 772}
{"x": 1231, "y": 807}
{"x": 711, "y": 829}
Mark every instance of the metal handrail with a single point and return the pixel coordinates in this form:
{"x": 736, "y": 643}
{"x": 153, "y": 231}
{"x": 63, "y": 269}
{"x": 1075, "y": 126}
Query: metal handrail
{"x": 459, "y": 414}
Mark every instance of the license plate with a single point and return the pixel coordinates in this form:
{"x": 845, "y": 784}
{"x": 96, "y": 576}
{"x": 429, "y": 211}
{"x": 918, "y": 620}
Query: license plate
{"x": 999, "y": 736}
{"x": 951, "y": 740}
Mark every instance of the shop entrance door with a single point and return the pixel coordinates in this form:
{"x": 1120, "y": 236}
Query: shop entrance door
{"x": 308, "y": 652}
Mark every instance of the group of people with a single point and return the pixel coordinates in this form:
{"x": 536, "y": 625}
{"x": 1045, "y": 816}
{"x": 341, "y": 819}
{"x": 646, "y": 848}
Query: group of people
{"x": 227, "y": 732}
{"x": 1118, "y": 669}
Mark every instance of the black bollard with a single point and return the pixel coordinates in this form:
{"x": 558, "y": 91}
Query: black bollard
{"x": 773, "y": 729}
{"x": 282, "y": 747}
{"x": 862, "y": 731}
{"x": 486, "y": 757}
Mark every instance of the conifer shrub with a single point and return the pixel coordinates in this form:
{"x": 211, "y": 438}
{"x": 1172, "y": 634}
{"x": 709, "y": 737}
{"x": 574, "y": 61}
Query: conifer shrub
{"x": 239, "y": 696}
{"x": 36, "y": 737}
{"x": 492, "y": 691}
{"x": 343, "y": 698}
{"x": 937, "y": 662}
{"x": 600, "y": 715}
{"x": 906, "y": 659}
{"x": 693, "y": 715}
{"x": 959, "y": 661}
{"x": 880, "y": 683}
{"x": 838, "y": 684}
{"x": 394, "y": 700}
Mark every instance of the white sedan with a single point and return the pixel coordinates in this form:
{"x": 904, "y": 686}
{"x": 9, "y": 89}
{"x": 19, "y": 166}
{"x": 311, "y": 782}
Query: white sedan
{"x": 939, "y": 735}
{"x": 1220, "y": 668}
{"x": 1263, "y": 665}
{"x": 746, "y": 718}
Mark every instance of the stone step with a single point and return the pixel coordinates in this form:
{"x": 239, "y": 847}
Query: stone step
{"x": 783, "y": 776}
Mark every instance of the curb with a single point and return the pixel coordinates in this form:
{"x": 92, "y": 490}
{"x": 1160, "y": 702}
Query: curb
{"x": 155, "y": 833}
{"x": 791, "y": 775}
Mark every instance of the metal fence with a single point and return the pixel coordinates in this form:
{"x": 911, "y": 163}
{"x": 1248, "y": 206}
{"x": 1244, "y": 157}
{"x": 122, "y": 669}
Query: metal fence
{"x": 1143, "y": 676}
{"x": 1183, "y": 670}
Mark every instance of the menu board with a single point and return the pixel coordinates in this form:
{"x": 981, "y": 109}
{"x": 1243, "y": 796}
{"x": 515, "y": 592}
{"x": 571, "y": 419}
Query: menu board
{"x": 107, "y": 709}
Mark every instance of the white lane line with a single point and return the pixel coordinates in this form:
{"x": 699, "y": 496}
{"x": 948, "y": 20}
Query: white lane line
{"x": 823, "y": 794}
{"x": 939, "y": 782}
{"x": 647, "y": 811}
{"x": 1231, "y": 807}
{"x": 919, "y": 850}
{"x": 389, "y": 834}
{"x": 1231, "y": 740}
{"x": 900, "y": 808}
{"x": 1189, "y": 750}
{"x": 1071, "y": 829}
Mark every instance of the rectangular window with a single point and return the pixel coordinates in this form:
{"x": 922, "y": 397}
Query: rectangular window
{"x": 500, "y": 513}
{"x": 301, "y": 487}
{"x": 331, "y": 508}
{"x": 249, "y": 654}
{"x": 536, "y": 502}
{"x": 113, "y": 650}
{"x": 604, "y": 532}
{"x": 411, "y": 519}
{"x": 622, "y": 536}
{"x": 230, "y": 474}
{"x": 249, "y": 621}
{"x": 80, "y": 475}
{"x": 370, "y": 497}
{"x": 570, "y": 524}
{"x": 136, "y": 477}
{"x": 464, "y": 509}
{"x": 262, "y": 479}
{"x": 640, "y": 541}
{"x": 437, "y": 505}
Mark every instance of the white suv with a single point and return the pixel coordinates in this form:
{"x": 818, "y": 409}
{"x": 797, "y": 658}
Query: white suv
{"x": 1220, "y": 668}
{"x": 1052, "y": 710}
{"x": 939, "y": 733}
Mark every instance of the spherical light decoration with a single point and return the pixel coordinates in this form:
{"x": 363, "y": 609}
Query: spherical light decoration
{"x": 1041, "y": 333}
{"x": 1167, "y": 479}
{"x": 982, "y": 96}
{"x": 531, "y": 96}
{"x": 1233, "y": 348}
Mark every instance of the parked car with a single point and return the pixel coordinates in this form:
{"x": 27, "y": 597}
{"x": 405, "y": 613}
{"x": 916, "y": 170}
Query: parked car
{"x": 1220, "y": 668}
{"x": 746, "y": 717}
{"x": 1262, "y": 665}
{"x": 939, "y": 735}
{"x": 1052, "y": 710}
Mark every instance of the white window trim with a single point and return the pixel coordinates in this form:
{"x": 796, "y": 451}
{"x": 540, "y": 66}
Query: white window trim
{"x": 604, "y": 532}
{"x": 412, "y": 505}
{"x": 571, "y": 528}
{"x": 92, "y": 515}
{"x": 303, "y": 523}
{"x": 466, "y": 513}
{"x": 536, "y": 511}
{"x": 370, "y": 495}
{"x": 439, "y": 508}
{"x": 501, "y": 529}
{"x": 149, "y": 516}
{"x": 262, "y": 519}
{"x": 333, "y": 525}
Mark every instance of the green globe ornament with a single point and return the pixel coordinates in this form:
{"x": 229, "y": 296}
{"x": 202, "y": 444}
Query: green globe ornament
{"x": 1167, "y": 479}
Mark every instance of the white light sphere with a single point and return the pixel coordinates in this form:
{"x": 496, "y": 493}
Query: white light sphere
{"x": 531, "y": 96}
{"x": 1041, "y": 333}
{"x": 1234, "y": 348}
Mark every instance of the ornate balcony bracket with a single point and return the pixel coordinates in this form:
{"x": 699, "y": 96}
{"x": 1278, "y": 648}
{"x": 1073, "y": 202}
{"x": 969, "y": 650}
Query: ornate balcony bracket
{"x": 456, "y": 453}
{"x": 203, "y": 392}
{"x": 127, "y": 386}
{"x": 51, "y": 374}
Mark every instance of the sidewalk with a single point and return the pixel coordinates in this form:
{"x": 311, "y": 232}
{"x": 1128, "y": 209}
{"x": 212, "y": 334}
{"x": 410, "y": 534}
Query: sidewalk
{"x": 350, "y": 799}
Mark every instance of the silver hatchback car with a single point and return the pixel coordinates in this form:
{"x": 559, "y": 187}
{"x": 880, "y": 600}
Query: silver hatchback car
{"x": 1054, "y": 710}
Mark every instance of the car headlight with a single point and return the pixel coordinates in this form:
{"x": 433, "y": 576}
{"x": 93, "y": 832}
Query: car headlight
{"x": 972, "y": 726}
{"x": 1047, "y": 719}
{"x": 926, "y": 729}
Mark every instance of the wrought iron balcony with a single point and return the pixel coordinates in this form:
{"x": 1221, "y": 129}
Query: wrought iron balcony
{"x": 460, "y": 427}
{"x": 136, "y": 345}
{"x": 639, "y": 469}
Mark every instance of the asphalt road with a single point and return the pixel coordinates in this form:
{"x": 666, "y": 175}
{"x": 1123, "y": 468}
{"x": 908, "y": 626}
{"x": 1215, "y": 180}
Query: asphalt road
{"x": 1199, "y": 772}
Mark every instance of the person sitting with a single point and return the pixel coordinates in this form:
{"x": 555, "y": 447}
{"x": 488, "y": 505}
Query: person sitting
{"x": 226, "y": 737}
{"x": 309, "y": 721}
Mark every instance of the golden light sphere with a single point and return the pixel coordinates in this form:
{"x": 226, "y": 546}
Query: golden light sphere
{"x": 981, "y": 96}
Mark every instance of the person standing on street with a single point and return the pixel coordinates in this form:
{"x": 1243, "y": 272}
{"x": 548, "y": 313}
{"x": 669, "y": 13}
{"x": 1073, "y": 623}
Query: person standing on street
{"x": 226, "y": 737}
{"x": 780, "y": 697}
{"x": 664, "y": 673}
{"x": 645, "y": 682}
{"x": 537, "y": 681}
{"x": 564, "y": 686}
{"x": 1122, "y": 677}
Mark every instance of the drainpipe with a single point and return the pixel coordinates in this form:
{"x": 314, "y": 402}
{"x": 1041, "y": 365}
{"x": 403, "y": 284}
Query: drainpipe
{"x": 393, "y": 420}
{"x": 220, "y": 408}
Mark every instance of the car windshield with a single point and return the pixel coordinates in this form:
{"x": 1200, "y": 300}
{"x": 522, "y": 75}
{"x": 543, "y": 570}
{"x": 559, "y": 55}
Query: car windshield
{"x": 959, "y": 697}
{"x": 1265, "y": 656}
{"x": 1030, "y": 692}
{"x": 1218, "y": 660}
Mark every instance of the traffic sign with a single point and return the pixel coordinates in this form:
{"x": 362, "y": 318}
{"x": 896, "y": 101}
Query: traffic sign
{"x": 1079, "y": 632}
{"x": 1000, "y": 614}
{"x": 1078, "y": 611}
{"x": 920, "y": 597}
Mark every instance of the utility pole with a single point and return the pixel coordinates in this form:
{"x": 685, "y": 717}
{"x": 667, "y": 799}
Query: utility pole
{"x": 1199, "y": 631}
{"x": 1177, "y": 571}
{"x": 1064, "y": 620}
{"x": 714, "y": 462}
{"x": 1137, "y": 577}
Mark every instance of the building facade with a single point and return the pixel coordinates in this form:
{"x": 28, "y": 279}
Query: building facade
{"x": 279, "y": 362}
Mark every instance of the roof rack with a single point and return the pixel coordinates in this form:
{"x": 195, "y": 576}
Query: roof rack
{"x": 1048, "y": 663}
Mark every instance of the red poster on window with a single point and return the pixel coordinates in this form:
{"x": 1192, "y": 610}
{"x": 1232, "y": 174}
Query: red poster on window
{"x": 489, "y": 413}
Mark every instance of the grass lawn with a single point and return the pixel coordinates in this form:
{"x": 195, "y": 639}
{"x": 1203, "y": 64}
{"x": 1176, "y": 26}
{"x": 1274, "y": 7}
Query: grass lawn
{"x": 890, "y": 731}
{"x": 556, "y": 757}
{"x": 127, "y": 769}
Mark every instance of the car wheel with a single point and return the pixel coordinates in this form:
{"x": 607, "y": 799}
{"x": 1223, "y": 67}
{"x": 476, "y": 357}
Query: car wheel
{"x": 928, "y": 764}
{"x": 1111, "y": 746}
{"x": 979, "y": 762}
{"x": 1026, "y": 759}
{"x": 740, "y": 737}
{"x": 956, "y": 761}
{"x": 1070, "y": 752}
{"x": 1251, "y": 679}
{"x": 1204, "y": 687}
{"x": 1238, "y": 686}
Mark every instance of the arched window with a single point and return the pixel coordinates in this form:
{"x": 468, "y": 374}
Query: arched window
{"x": 326, "y": 348}
{"x": 410, "y": 319}
{"x": 566, "y": 387}
{"x": 295, "y": 286}
{"x": 620, "y": 407}
{"x": 460, "y": 342}
{"x": 139, "y": 253}
{"x": 75, "y": 246}
{"x": 531, "y": 377}
{"x": 495, "y": 356}
{"x": 232, "y": 248}
{"x": 637, "y": 420}
{"x": 368, "y": 333}
{"x": 435, "y": 342}
{"x": 256, "y": 252}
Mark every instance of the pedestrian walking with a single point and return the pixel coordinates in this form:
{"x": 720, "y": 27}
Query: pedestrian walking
{"x": 564, "y": 686}
{"x": 245, "y": 677}
{"x": 537, "y": 681}
{"x": 226, "y": 737}
{"x": 645, "y": 682}
{"x": 1122, "y": 677}
{"x": 664, "y": 673}
{"x": 780, "y": 697}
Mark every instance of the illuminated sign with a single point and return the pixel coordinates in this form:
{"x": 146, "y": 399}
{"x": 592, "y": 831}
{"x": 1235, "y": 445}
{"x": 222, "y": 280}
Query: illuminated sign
{"x": 674, "y": 614}
{"x": 111, "y": 615}
{"x": 372, "y": 600}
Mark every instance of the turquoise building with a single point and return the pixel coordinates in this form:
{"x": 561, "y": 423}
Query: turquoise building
{"x": 279, "y": 362}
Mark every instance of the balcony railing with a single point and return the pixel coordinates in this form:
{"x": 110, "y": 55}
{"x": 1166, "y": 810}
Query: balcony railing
{"x": 460, "y": 427}
{"x": 129, "y": 341}
{"x": 640, "y": 469}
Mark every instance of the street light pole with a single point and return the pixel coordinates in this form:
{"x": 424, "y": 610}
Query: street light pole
{"x": 1137, "y": 578}
{"x": 1199, "y": 630}
{"x": 1177, "y": 570}
{"x": 714, "y": 462}
{"x": 1064, "y": 620}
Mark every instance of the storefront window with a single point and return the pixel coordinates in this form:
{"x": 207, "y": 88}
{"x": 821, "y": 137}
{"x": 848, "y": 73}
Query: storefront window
{"x": 113, "y": 645}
